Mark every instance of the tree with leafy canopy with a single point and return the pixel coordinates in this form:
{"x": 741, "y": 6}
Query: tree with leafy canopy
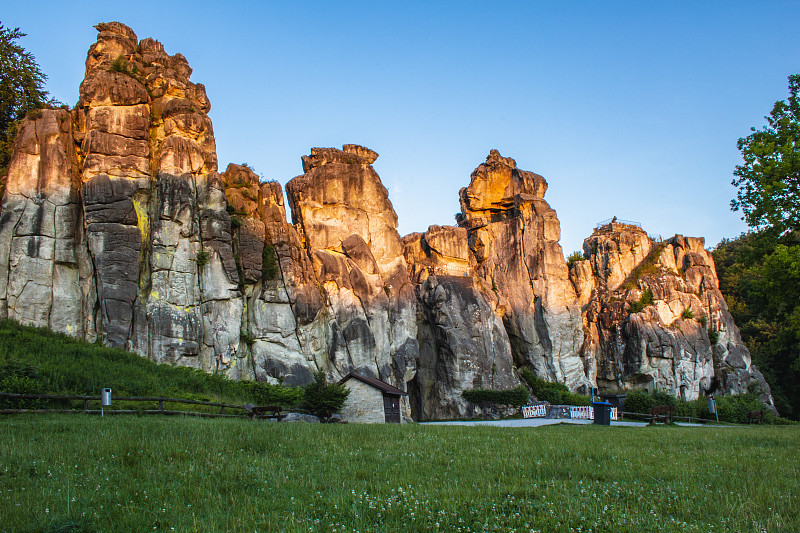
{"x": 759, "y": 271}
{"x": 769, "y": 179}
{"x": 21, "y": 89}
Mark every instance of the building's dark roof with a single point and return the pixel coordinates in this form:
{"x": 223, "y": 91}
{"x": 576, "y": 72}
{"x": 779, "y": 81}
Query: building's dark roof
{"x": 378, "y": 384}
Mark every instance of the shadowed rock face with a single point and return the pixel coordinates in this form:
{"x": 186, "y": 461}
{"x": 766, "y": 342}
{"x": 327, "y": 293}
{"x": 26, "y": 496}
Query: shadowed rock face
{"x": 154, "y": 204}
{"x": 116, "y": 226}
{"x": 666, "y": 345}
{"x": 462, "y": 342}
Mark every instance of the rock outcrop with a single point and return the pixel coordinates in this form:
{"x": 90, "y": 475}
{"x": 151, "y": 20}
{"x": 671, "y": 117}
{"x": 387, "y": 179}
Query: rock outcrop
{"x": 655, "y": 317}
{"x": 154, "y": 206}
{"x": 349, "y": 229}
{"x": 117, "y": 227}
{"x": 462, "y": 341}
{"x": 513, "y": 235}
{"x": 47, "y": 275}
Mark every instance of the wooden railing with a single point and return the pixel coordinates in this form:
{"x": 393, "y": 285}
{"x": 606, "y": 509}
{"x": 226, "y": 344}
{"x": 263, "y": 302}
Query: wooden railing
{"x": 112, "y": 411}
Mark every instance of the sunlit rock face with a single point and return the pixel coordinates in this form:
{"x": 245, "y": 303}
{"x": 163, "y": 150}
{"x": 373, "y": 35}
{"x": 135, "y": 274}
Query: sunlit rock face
{"x": 156, "y": 224}
{"x": 513, "y": 235}
{"x": 132, "y": 241}
{"x": 285, "y": 325}
{"x": 349, "y": 230}
{"x": 663, "y": 342}
{"x": 46, "y": 275}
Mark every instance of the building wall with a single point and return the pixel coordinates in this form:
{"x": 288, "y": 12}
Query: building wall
{"x": 364, "y": 404}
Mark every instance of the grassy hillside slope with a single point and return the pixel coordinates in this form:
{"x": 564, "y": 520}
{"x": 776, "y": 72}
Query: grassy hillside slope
{"x": 36, "y": 360}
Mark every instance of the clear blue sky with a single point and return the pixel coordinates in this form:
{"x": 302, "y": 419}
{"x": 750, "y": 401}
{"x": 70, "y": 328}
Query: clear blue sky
{"x": 628, "y": 109}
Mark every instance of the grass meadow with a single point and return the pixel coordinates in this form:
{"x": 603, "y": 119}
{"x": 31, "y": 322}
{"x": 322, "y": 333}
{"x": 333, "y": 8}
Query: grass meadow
{"x": 61, "y": 473}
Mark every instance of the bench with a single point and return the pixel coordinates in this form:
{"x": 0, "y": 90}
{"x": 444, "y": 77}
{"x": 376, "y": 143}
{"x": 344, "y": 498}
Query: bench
{"x": 264, "y": 411}
{"x": 755, "y": 417}
{"x": 662, "y": 413}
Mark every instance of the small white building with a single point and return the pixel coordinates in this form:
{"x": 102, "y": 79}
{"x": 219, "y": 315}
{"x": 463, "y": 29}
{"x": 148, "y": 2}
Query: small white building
{"x": 371, "y": 401}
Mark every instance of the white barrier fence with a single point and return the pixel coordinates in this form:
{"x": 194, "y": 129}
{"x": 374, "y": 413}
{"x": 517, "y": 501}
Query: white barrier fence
{"x": 534, "y": 411}
{"x": 584, "y": 412}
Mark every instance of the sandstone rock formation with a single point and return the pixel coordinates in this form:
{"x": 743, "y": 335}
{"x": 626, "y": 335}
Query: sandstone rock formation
{"x": 349, "y": 229}
{"x": 47, "y": 275}
{"x": 513, "y": 235}
{"x": 462, "y": 341}
{"x": 116, "y": 226}
{"x": 655, "y": 318}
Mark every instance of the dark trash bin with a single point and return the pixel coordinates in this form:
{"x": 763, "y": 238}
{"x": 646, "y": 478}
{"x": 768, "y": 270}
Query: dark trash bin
{"x": 616, "y": 400}
{"x": 602, "y": 413}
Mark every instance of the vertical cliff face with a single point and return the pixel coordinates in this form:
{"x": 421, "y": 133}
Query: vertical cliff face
{"x": 462, "y": 341}
{"x": 655, "y": 318}
{"x": 154, "y": 205}
{"x": 513, "y": 235}
{"x": 47, "y": 275}
{"x": 285, "y": 325}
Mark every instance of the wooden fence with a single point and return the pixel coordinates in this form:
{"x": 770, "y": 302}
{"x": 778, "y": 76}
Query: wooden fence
{"x": 111, "y": 411}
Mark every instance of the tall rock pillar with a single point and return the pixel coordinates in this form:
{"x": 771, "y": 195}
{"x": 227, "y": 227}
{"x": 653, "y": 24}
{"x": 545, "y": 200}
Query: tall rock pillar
{"x": 349, "y": 229}
{"x": 514, "y": 234}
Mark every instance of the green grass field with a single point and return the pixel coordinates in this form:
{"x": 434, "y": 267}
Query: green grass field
{"x": 128, "y": 473}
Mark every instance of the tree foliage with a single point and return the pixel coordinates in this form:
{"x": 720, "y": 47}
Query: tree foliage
{"x": 21, "y": 89}
{"x": 759, "y": 272}
{"x": 552, "y": 392}
{"x": 759, "y": 275}
{"x": 769, "y": 179}
{"x": 574, "y": 257}
{"x": 323, "y": 399}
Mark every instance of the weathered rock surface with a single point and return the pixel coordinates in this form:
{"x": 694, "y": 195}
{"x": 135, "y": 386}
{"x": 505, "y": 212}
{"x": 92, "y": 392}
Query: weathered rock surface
{"x": 668, "y": 344}
{"x": 349, "y": 229}
{"x": 462, "y": 341}
{"x": 513, "y": 235}
{"x": 46, "y": 276}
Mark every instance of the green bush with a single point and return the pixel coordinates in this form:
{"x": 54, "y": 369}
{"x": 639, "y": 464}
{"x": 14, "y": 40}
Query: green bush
{"x": 247, "y": 338}
{"x": 729, "y": 408}
{"x": 574, "y": 257}
{"x": 638, "y": 401}
{"x": 517, "y": 396}
{"x": 201, "y": 259}
{"x": 120, "y": 64}
{"x": 21, "y": 379}
{"x": 553, "y": 393}
{"x": 269, "y": 264}
{"x": 323, "y": 399}
{"x": 644, "y": 300}
{"x": 713, "y": 336}
{"x": 687, "y": 313}
{"x": 647, "y": 297}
